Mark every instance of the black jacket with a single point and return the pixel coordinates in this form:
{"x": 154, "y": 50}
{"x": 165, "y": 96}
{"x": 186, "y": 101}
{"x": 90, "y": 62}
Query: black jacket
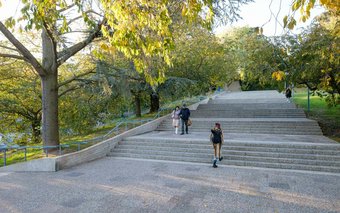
{"x": 185, "y": 113}
{"x": 216, "y": 135}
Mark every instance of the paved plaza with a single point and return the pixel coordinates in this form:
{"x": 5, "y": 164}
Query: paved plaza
{"x": 128, "y": 185}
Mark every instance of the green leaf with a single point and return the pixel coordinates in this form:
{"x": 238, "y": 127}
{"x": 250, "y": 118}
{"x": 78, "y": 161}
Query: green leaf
{"x": 285, "y": 21}
{"x": 10, "y": 22}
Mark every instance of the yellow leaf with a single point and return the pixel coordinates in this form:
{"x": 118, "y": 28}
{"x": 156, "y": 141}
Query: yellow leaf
{"x": 278, "y": 75}
{"x": 292, "y": 24}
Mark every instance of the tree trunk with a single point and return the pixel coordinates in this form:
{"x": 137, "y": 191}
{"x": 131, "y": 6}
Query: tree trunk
{"x": 154, "y": 102}
{"x": 49, "y": 82}
{"x": 138, "y": 105}
{"x": 50, "y": 125}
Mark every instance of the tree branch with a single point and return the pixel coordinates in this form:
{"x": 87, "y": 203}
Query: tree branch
{"x": 22, "y": 49}
{"x": 86, "y": 12}
{"x": 13, "y": 56}
{"x": 69, "y": 52}
{"x": 74, "y": 19}
{"x": 9, "y": 48}
{"x": 69, "y": 90}
{"x": 66, "y": 8}
{"x": 75, "y": 77}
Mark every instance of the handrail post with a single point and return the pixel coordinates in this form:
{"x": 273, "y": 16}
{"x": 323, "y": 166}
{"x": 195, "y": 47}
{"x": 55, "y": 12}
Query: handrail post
{"x": 46, "y": 152}
{"x": 59, "y": 149}
{"x": 78, "y": 146}
{"x": 25, "y": 154}
{"x": 308, "y": 100}
{"x": 126, "y": 127}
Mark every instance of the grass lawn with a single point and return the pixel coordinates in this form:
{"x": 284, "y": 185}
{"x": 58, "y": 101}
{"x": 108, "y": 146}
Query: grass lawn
{"x": 14, "y": 156}
{"x": 328, "y": 117}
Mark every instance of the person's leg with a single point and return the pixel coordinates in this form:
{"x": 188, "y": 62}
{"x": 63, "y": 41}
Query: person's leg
{"x": 215, "y": 150}
{"x": 219, "y": 152}
{"x": 215, "y": 155}
{"x": 182, "y": 121}
{"x": 176, "y": 126}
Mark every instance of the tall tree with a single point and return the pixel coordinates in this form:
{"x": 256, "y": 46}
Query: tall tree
{"x": 20, "y": 98}
{"x": 315, "y": 59}
{"x": 256, "y": 57}
{"x": 138, "y": 28}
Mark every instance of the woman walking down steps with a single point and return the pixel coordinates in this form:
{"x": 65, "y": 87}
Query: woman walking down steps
{"x": 175, "y": 118}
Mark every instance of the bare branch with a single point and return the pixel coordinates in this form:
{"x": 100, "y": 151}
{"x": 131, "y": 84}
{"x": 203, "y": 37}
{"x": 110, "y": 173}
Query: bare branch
{"x": 69, "y": 52}
{"x": 75, "y": 77}
{"x": 66, "y": 8}
{"x": 76, "y": 31}
{"x": 22, "y": 49}
{"x": 9, "y": 48}
{"x": 74, "y": 19}
{"x": 13, "y": 56}
{"x": 69, "y": 90}
{"x": 86, "y": 12}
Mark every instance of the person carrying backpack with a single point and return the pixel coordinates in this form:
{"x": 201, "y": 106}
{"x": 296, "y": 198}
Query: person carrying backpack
{"x": 217, "y": 138}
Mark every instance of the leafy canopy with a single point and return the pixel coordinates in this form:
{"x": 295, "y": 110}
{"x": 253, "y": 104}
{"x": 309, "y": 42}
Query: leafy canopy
{"x": 305, "y": 7}
{"x": 141, "y": 29}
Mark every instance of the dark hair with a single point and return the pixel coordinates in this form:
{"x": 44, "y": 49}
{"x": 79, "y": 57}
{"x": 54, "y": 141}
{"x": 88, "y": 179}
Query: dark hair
{"x": 184, "y": 105}
{"x": 218, "y": 125}
{"x": 176, "y": 107}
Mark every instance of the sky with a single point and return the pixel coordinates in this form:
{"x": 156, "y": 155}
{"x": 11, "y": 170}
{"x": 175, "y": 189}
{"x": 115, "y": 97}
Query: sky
{"x": 255, "y": 14}
{"x": 258, "y": 14}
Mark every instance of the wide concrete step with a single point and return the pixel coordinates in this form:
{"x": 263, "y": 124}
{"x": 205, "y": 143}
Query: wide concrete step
{"x": 250, "y": 112}
{"x": 230, "y": 162}
{"x": 246, "y": 106}
{"x": 286, "y": 126}
{"x": 220, "y": 100}
{"x": 231, "y": 114}
{"x": 253, "y": 130}
{"x": 244, "y": 125}
{"x": 256, "y": 121}
{"x": 289, "y": 148}
{"x": 227, "y": 152}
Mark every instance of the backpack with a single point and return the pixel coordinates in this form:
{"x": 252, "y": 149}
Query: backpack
{"x": 216, "y": 136}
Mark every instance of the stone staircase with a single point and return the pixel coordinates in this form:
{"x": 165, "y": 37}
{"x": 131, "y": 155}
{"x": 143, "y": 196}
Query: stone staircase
{"x": 268, "y": 133}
